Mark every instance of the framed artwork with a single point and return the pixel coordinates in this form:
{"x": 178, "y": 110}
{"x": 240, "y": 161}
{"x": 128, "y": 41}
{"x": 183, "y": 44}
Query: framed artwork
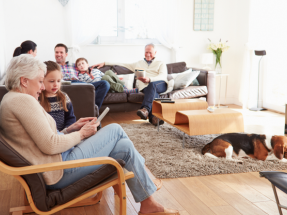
{"x": 203, "y": 15}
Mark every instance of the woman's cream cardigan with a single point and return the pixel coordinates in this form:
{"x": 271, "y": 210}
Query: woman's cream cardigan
{"x": 32, "y": 132}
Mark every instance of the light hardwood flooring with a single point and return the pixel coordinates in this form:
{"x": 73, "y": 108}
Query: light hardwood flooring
{"x": 231, "y": 194}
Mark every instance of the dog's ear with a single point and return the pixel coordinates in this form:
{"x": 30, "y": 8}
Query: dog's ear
{"x": 279, "y": 151}
{"x": 263, "y": 136}
{"x": 273, "y": 141}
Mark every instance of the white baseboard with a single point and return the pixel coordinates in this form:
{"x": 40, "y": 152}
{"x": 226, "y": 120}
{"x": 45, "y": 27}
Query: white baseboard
{"x": 229, "y": 100}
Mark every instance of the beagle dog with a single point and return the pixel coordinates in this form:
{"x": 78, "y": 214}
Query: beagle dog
{"x": 243, "y": 145}
{"x": 279, "y": 146}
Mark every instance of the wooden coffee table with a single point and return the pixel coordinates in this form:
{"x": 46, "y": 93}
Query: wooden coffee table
{"x": 198, "y": 122}
{"x": 167, "y": 111}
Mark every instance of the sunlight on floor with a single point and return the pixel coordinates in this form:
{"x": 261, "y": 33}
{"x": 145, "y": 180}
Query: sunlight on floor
{"x": 263, "y": 122}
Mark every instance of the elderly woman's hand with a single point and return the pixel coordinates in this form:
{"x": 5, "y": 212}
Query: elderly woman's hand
{"x": 79, "y": 124}
{"x": 89, "y": 129}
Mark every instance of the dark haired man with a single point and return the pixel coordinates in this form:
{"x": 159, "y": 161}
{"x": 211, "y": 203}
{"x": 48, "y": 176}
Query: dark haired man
{"x": 70, "y": 74}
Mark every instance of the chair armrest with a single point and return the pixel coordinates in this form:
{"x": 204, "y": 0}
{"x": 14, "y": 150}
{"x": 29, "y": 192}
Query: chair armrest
{"x": 97, "y": 114}
{"x": 3, "y": 91}
{"x": 62, "y": 165}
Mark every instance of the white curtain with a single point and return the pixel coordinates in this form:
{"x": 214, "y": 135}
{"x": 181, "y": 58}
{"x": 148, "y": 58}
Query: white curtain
{"x": 83, "y": 19}
{"x": 2, "y": 44}
{"x": 161, "y": 16}
{"x": 267, "y": 31}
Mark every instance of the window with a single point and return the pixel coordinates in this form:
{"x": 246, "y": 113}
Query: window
{"x": 125, "y": 23}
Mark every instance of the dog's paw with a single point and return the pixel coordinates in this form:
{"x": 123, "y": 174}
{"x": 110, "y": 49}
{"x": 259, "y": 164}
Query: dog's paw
{"x": 207, "y": 154}
{"x": 235, "y": 160}
{"x": 283, "y": 160}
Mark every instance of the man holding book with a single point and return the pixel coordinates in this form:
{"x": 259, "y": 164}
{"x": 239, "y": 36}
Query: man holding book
{"x": 154, "y": 82}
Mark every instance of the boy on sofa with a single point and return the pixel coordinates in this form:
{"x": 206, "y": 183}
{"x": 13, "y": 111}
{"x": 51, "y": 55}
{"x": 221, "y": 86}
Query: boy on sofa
{"x": 93, "y": 75}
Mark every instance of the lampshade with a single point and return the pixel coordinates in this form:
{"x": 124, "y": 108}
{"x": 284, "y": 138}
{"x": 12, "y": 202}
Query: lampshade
{"x": 260, "y": 53}
{"x": 207, "y": 58}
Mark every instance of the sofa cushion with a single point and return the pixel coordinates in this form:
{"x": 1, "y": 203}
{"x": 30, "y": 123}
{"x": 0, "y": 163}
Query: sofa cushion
{"x": 188, "y": 92}
{"x": 184, "y": 79}
{"x": 128, "y": 80}
{"x": 176, "y": 67}
{"x": 120, "y": 70}
{"x": 135, "y": 97}
{"x": 202, "y": 77}
{"x": 106, "y": 68}
{"x": 115, "y": 98}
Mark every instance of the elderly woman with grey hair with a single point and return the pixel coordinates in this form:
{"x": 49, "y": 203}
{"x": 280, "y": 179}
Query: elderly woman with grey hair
{"x": 31, "y": 131}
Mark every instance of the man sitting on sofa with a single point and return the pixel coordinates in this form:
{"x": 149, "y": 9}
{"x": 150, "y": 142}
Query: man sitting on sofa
{"x": 154, "y": 83}
{"x": 71, "y": 74}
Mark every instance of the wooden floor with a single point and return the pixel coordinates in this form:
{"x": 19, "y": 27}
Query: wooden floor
{"x": 231, "y": 194}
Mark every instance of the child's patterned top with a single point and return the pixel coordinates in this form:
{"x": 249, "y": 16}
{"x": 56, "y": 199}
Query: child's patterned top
{"x": 91, "y": 76}
{"x": 63, "y": 119}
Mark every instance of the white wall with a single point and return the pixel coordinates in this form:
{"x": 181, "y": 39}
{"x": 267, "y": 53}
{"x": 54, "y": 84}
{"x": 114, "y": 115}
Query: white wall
{"x": 39, "y": 21}
{"x": 120, "y": 53}
{"x": 230, "y": 23}
{"x": 43, "y": 22}
{"x": 2, "y": 40}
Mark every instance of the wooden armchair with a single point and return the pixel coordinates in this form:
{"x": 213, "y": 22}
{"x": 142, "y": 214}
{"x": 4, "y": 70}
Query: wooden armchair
{"x": 43, "y": 201}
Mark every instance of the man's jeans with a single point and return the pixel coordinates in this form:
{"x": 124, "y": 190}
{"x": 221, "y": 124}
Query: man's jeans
{"x": 101, "y": 90}
{"x": 151, "y": 92}
{"x": 110, "y": 141}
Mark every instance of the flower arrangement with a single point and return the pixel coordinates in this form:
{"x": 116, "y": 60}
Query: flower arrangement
{"x": 217, "y": 49}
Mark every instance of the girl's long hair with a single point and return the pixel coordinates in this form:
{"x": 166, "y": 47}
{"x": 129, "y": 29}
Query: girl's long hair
{"x": 52, "y": 66}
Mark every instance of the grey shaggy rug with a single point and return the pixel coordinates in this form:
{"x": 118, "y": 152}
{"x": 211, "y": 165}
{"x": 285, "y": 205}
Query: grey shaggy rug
{"x": 166, "y": 158}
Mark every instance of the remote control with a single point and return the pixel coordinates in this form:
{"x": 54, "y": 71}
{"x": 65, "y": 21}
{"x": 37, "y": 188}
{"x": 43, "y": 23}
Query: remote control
{"x": 167, "y": 101}
{"x": 162, "y": 99}
{"x": 103, "y": 115}
{"x": 210, "y": 109}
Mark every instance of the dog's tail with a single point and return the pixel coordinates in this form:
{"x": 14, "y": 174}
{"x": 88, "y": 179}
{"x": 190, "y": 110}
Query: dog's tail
{"x": 205, "y": 148}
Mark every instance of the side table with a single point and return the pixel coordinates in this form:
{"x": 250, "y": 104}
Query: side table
{"x": 222, "y": 75}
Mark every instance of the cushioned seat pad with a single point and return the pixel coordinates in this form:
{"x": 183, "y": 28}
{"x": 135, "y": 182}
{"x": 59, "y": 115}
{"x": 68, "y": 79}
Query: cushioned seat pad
{"x": 136, "y": 97}
{"x": 188, "y": 92}
{"x": 115, "y": 98}
{"x": 45, "y": 199}
{"x": 279, "y": 179}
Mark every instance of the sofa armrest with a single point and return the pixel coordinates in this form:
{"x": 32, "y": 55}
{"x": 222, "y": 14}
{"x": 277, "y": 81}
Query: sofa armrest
{"x": 207, "y": 78}
{"x": 81, "y": 95}
{"x": 83, "y": 99}
{"x": 211, "y": 82}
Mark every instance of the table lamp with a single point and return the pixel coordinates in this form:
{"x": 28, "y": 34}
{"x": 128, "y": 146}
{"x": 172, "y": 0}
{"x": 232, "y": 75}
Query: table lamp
{"x": 207, "y": 58}
{"x": 258, "y": 53}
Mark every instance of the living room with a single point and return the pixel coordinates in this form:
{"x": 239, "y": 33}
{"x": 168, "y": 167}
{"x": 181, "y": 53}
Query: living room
{"x": 246, "y": 25}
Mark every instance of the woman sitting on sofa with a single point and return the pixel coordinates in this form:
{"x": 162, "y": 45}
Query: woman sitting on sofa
{"x": 31, "y": 131}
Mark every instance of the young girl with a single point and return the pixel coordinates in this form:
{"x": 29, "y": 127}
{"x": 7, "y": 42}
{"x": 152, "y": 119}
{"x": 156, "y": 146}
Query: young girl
{"x": 53, "y": 100}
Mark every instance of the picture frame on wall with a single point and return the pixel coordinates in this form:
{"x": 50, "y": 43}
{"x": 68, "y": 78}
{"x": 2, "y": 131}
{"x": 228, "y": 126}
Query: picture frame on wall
{"x": 203, "y": 15}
